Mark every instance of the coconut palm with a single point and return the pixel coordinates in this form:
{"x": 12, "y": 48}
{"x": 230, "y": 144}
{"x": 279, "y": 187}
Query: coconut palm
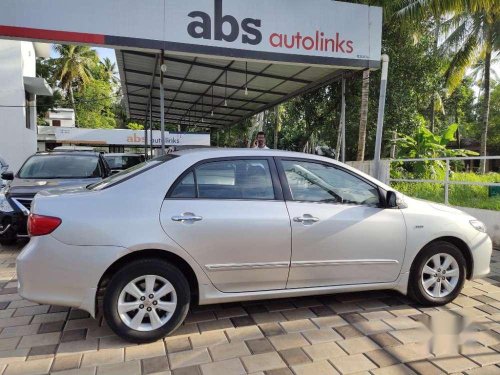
{"x": 109, "y": 70}
{"x": 471, "y": 29}
{"x": 74, "y": 66}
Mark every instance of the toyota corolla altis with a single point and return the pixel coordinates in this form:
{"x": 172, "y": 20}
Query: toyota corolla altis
{"x": 208, "y": 226}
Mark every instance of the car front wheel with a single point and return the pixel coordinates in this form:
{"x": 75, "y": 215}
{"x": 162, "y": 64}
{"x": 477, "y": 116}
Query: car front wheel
{"x": 146, "y": 300}
{"x": 438, "y": 274}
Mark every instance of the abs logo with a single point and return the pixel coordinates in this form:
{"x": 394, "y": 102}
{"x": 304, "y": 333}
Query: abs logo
{"x": 224, "y": 27}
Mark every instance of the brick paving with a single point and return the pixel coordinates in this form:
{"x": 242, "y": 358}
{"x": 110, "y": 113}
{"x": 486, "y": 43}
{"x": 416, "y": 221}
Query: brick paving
{"x": 374, "y": 333}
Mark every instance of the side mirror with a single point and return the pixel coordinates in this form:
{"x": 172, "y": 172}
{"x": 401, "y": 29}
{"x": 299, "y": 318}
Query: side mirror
{"x": 391, "y": 199}
{"x": 8, "y": 176}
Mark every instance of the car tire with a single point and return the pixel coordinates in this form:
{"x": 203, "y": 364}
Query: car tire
{"x": 437, "y": 275}
{"x": 154, "y": 323}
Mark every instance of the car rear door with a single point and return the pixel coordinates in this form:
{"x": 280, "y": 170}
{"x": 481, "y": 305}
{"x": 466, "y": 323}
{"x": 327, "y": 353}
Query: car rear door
{"x": 229, "y": 214}
{"x": 341, "y": 233}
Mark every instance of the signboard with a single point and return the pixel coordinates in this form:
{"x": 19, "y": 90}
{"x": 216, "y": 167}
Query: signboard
{"x": 126, "y": 137}
{"x": 313, "y": 31}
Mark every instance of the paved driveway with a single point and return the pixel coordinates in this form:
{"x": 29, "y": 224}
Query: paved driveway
{"x": 372, "y": 332}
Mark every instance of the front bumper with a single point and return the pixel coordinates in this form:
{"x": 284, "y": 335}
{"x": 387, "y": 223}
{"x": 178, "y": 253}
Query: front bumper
{"x": 481, "y": 250}
{"x": 51, "y": 272}
{"x": 13, "y": 225}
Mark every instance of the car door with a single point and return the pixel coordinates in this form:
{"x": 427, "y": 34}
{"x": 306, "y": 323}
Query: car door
{"x": 229, "y": 214}
{"x": 341, "y": 233}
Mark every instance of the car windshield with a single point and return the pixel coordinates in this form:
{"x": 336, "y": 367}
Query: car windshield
{"x": 131, "y": 172}
{"x": 61, "y": 166}
{"x": 122, "y": 161}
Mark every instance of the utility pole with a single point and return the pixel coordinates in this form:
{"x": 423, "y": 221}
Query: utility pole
{"x": 380, "y": 118}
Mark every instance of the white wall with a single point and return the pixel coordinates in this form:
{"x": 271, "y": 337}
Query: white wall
{"x": 17, "y": 59}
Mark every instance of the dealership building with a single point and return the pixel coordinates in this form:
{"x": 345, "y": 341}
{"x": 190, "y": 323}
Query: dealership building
{"x": 211, "y": 64}
{"x": 19, "y": 88}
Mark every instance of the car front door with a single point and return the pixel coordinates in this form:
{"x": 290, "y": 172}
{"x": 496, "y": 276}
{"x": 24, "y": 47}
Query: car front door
{"x": 341, "y": 234}
{"x": 230, "y": 216}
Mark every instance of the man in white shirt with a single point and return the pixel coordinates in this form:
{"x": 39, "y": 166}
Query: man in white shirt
{"x": 260, "y": 142}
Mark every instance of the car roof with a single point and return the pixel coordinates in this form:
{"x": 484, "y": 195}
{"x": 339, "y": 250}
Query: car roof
{"x": 122, "y": 154}
{"x": 207, "y": 153}
{"x": 65, "y": 152}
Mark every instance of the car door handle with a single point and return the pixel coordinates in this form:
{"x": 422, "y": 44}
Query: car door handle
{"x": 306, "y": 219}
{"x": 187, "y": 217}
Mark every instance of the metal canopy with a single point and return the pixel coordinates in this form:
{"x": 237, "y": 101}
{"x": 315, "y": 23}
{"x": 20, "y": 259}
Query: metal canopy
{"x": 211, "y": 92}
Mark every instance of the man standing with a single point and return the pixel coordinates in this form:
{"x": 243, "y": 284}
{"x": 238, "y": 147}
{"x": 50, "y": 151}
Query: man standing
{"x": 260, "y": 141}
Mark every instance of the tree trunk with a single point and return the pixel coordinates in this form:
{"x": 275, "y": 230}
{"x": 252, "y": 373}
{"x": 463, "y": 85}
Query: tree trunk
{"x": 433, "y": 112}
{"x": 276, "y": 126}
{"x": 486, "y": 107}
{"x": 72, "y": 99}
{"x": 365, "y": 89}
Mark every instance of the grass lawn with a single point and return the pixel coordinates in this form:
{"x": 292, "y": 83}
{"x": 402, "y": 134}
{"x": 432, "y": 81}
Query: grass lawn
{"x": 459, "y": 195}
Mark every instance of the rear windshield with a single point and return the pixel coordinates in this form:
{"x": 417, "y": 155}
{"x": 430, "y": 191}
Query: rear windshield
{"x": 129, "y": 173}
{"x": 61, "y": 166}
{"x": 122, "y": 161}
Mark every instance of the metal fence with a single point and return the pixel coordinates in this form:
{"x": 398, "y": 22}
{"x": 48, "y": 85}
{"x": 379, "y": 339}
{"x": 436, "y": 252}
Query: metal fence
{"x": 447, "y": 181}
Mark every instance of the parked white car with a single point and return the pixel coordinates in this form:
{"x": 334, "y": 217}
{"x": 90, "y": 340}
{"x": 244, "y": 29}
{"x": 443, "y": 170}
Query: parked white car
{"x": 218, "y": 225}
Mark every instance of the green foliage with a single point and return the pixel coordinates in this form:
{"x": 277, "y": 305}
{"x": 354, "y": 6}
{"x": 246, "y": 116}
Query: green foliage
{"x": 459, "y": 195}
{"x": 135, "y": 126}
{"x": 94, "y": 105}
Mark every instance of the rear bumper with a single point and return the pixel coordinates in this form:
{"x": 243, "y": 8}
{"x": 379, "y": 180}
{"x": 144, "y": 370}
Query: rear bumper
{"x": 481, "y": 250}
{"x": 51, "y": 272}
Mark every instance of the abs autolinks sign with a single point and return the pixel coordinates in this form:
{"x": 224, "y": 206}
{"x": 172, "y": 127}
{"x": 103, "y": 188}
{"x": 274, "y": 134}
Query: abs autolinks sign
{"x": 310, "y": 31}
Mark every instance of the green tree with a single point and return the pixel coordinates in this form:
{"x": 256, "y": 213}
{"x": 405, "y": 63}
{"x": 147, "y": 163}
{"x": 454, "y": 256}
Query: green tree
{"x": 74, "y": 68}
{"x": 94, "y": 105}
{"x": 472, "y": 34}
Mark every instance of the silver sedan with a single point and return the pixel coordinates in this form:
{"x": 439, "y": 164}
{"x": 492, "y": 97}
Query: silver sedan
{"x": 213, "y": 225}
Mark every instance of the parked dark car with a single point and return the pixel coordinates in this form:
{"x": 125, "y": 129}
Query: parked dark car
{"x": 122, "y": 161}
{"x": 44, "y": 171}
{"x": 3, "y": 168}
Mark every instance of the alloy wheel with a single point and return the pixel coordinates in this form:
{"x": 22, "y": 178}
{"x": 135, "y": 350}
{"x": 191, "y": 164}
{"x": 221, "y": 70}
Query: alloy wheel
{"x": 440, "y": 275}
{"x": 147, "y": 303}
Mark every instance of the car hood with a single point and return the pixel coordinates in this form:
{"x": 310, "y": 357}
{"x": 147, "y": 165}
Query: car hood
{"x": 29, "y": 187}
{"x": 431, "y": 206}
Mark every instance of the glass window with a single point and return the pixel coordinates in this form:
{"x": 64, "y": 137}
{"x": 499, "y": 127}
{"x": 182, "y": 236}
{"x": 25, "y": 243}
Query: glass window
{"x": 185, "y": 188}
{"x": 27, "y": 108}
{"x": 315, "y": 182}
{"x": 233, "y": 179}
{"x": 61, "y": 166}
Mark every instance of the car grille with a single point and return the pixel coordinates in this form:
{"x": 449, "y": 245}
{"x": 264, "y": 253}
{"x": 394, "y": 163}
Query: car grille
{"x": 26, "y": 202}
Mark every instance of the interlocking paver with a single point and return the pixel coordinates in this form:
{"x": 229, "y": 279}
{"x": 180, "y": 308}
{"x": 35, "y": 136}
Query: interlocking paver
{"x": 227, "y": 367}
{"x": 189, "y": 358}
{"x": 287, "y": 341}
{"x": 228, "y": 351}
{"x": 352, "y": 363}
{"x": 322, "y": 367}
{"x": 374, "y": 333}
{"x": 263, "y": 362}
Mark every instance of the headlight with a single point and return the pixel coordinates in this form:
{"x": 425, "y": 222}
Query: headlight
{"x": 4, "y": 204}
{"x": 478, "y": 225}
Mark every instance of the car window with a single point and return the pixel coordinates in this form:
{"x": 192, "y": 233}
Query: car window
{"x": 316, "y": 182}
{"x": 185, "y": 188}
{"x": 61, "y": 166}
{"x": 122, "y": 161}
{"x": 228, "y": 179}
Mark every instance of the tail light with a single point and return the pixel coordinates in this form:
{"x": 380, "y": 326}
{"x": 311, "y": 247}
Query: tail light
{"x": 39, "y": 225}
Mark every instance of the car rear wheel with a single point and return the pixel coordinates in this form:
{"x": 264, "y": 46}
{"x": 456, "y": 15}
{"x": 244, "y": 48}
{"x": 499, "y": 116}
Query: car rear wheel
{"x": 146, "y": 300}
{"x": 438, "y": 274}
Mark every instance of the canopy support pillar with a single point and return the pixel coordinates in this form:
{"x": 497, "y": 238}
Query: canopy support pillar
{"x": 380, "y": 118}
{"x": 162, "y": 103}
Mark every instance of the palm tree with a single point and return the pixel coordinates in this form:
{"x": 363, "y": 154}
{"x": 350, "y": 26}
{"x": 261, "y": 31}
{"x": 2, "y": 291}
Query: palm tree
{"x": 74, "y": 67}
{"x": 363, "y": 119}
{"x": 109, "y": 70}
{"x": 471, "y": 29}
